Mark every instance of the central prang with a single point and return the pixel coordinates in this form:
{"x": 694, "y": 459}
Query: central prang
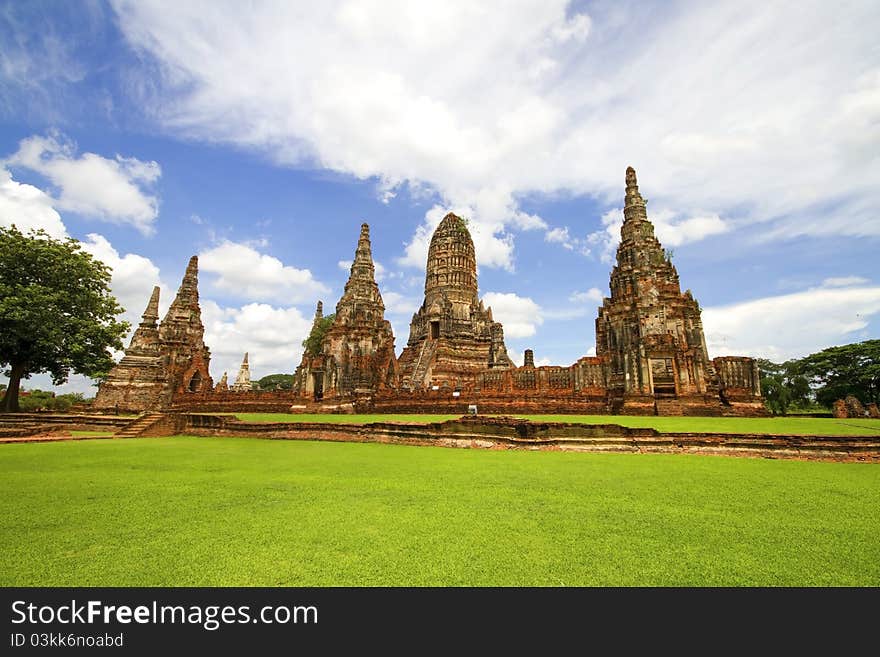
{"x": 452, "y": 336}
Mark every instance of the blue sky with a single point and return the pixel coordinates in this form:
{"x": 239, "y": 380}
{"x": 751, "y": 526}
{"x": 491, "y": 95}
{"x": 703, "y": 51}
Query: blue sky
{"x": 260, "y": 135}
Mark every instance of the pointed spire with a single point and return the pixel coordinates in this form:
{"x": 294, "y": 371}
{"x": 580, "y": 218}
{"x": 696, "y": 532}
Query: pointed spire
{"x": 361, "y": 285}
{"x": 187, "y": 298}
{"x": 243, "y": 380}
{"x": 634, "y": 204}
{"x": 362, "y": 266}
{"x": 319, "y": 312}
{"x": 192, "y": 272}
{"x": 151, "y": 313}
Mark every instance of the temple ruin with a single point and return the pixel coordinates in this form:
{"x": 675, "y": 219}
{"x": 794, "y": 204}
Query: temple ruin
{"x": 452, "y": 337}
{"x": 651, "y": 355}
{"x": 162, "y": 360}
{"x": 650, "y": 333}
{"x": 356, "y": 356}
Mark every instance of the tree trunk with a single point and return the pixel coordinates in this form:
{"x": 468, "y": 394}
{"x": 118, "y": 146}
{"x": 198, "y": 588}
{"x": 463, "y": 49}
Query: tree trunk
{"x": 10, "y": 399}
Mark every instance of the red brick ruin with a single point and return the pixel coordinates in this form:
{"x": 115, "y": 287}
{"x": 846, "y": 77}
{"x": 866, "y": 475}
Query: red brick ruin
{"x": 651, "y": 356}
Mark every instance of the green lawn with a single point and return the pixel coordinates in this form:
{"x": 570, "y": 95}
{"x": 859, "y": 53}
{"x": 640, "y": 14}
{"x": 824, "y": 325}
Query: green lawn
{"x": 232, "y": 511}
{"x": 778, "y": 425}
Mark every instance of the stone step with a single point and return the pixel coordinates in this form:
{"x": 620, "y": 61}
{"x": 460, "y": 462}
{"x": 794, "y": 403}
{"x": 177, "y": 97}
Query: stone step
{"x": 667, "y": 407}
{"x": 138, "y": 426}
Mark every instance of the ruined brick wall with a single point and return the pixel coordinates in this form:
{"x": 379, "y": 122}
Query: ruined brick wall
{"x": 738, "y": 377}
{"x": 255, "y": 401}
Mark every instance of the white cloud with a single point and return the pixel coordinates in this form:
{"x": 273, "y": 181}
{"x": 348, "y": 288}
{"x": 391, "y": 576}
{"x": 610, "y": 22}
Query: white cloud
{"x": 399, "y": 304}
{"x": 844, "y": 281}
{"x": 563, "y": 236}
{"x": 483, "y": 103}
{"x": 594, "y": 295}
{"x": 670, "y": 228}
{"x": 520, "y": 316}
{"x": 608, "y": 237}
{"x": 114, "y": 190}
{"x": 525, "y": 221}
{"x": 576, "y": 28}
{"x": 673, "y": 231}
{"x": 791, "y": 325}
{"x": 244, "y": 272}
{"x": 272, "y": 336}
{"x": 133, "y": 277}
{"x": 559, "y": 236}
{"x": 28, "y": 207}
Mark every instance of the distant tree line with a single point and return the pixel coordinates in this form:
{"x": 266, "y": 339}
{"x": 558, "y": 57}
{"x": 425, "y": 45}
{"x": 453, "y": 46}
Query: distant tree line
{"x": 276, "y": 382}
{"x": 819, "y": 379}
{"x": 44, "y": 400}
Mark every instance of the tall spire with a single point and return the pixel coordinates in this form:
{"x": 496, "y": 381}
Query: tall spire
{"x": 362, "y": 267}
{"x": 634, "y": 204}
{"x": 319, "y": 312}
{"x": 361, "y": 285}
{"x": 151, "y": 313}
{"x": 185, "y": 306}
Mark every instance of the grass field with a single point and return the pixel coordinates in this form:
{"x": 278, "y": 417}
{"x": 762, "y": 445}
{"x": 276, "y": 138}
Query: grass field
{"x": 231, "y": 511}
{"x": 778, "y": 425}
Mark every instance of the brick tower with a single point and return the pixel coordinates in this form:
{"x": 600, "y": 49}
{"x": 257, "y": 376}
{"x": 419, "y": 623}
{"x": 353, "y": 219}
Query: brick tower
{"x": 649, "y": 331}
{"x": 452, "y": 337}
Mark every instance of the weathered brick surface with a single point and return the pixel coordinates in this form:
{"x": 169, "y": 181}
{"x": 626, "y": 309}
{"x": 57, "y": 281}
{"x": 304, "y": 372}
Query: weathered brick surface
{"x": 452, "y": 337}
{"x": 513, "y": 433}
{"x": 162, "y": 360}
{"x": 357, "y": 354}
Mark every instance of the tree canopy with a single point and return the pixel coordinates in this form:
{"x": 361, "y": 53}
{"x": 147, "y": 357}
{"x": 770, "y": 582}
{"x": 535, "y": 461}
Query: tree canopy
{"x": 825, "y": 376}
{"x": 57, "y": 314}
{"x": 275, "y": 381}
{"x": 312, "y": 344}
{"x": 852, "y": 369}
{"x": 783, "y": 386}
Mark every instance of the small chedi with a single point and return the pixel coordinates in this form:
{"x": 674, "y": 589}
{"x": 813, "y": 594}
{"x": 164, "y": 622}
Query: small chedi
{"x": 162, "y": 360}
{"x": 651, "y": 355}
{"x": 243, "y": 379}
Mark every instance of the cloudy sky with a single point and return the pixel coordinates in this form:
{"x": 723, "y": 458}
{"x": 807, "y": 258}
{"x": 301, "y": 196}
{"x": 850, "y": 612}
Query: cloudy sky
{"x": 260, "y": 135}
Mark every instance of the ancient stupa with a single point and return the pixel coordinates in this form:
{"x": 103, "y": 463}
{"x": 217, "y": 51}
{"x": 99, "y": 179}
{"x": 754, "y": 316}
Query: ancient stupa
{"x": 452, "y": 336}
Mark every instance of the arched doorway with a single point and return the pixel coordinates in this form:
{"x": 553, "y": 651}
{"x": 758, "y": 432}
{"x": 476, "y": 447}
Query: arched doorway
{"x": 195, "y": 383}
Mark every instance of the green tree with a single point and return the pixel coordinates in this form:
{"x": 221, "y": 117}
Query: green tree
{"x": 852, "y": 369}
{"x": 56, "y": 311}
{"x": 312, "y": 344}
{"x": 784, "y": 385}
{"x": 274, "y": 381}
